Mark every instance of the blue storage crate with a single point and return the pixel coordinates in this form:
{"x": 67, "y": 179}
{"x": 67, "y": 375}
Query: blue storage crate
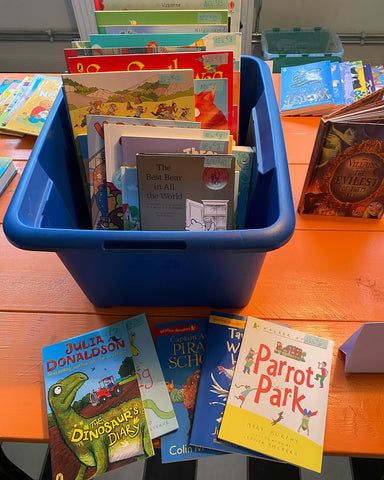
{"x": 146, "y": 268}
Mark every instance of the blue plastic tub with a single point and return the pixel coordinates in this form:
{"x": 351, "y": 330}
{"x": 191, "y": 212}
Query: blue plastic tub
{"x": 218, "y": 269}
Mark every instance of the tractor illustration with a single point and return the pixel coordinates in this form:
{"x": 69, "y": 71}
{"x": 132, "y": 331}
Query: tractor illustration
{"x": 108, "y": 388}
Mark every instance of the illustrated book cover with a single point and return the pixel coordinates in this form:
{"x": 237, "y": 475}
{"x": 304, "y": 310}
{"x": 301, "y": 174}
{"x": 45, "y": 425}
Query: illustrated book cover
{"x": 30, "y": 117}
{"x": 224, "y": 336}
{"x": 96, "y": 417}
{"x": 159, "y": 410}
{"x": 103, "y": 198}
{"x": 159, "y": 5}
{"x": 7, "y": 172}
{"x": 358, "y": 79}
{"x": 180, "y": 346}
{"x": 277, "y": 402}
{"x": 346, "y": 82}
{"x": 345, "y": 176}
{"x": 186, "y": 192}
{"x": 307, "y": 89}
{"x": 143, "y": 29}
{"x": 195, "y": 141}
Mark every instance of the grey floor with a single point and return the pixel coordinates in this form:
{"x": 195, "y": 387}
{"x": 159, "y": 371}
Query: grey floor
{"x": 30, "y": 458}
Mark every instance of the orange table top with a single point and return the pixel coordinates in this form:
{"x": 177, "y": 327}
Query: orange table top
{"x": 327, "y": 280}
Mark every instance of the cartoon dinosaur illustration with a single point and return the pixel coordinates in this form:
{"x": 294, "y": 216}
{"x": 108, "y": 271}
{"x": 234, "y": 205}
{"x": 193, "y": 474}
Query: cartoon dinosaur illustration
{"x": 97, "y": 452}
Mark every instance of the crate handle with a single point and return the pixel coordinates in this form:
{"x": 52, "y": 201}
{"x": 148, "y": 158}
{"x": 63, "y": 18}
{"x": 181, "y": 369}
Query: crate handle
{"x": 144, "y": 245}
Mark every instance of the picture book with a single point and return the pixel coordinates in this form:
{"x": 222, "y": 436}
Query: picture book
{"x": 109, "y": 171}
{"x": 180, "y": 346}
{"x": 14, "y": 99}
{"x": 5, "y": 84}
{"x": 159, "y": 5}
{"x": 96, "y": 418}
{"x": 100, "y": 195}
{"x": 168, "y": 142}
{"x": 140, "y": 29}
{"x": 224, "y": 335}
{"x": 358, "y": 79}
{"x": 30, "y": 117}
{"x": 245, "y": 163}
{"x": 338, "y": 93}
{"x": 8, "y": 93}
{"x": 345, "y": 176}
{"x": 161, "y": 17}
{"x": 378, "y": 76}
{"x": 7, "y": 172}
{"x": 307, "y": 89}
{"x": 368, "y": 77}
{"x": 186, "y": 192}
{"x": 346, "y": 82}
{"x": 161, "y": 417}
{"x": 131, "y": 94}
{"x": 211, "y": 103}
{"x": 277, "y": 402}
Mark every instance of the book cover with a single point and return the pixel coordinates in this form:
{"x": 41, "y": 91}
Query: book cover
{"x": 246, "y": 163}
{"x": 129, "y": 94}
{"x": 160, "y": 5}
{"x": 109, "y": 172}
{"x": 368, "y": 77}
{"x": 7, "y": 172}
{"x": 134, "y": 29}
{"x": 169, "y": 142}
{"x": 277, "y": 402}
{"x": 96, "y": 418}
{"x": 8, "y": 93}
{"x": 161, "y": 17}
{"x": 345, "y": 175}
{"x": 210, "y": 69}
{"x": 307, "y": 89}
{"x": 5, "y": 84}
{"x": 15, "y": 99}
{"x": 186, "y": 192}
{"x": 32, "y": 114}
{"x": 338, "y": 93}
{"x": 346, "y": 81}
{"x": 160, "y": 414}
{"x": 180, "y": 346}
{"x": 378, "y": 76}
{"x": 224, "y": 335}
{"x": 358, "y": 79}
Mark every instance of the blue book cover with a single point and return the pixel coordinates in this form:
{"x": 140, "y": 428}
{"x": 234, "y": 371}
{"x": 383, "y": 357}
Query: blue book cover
{"x": 180, "y": 347}
{"x": 346, "y": 81}
{"x": 337, "y": 86}
{"x": 224, "y": 335}
{"x": 96, "y": 418}
{"x": 307, "y": 89}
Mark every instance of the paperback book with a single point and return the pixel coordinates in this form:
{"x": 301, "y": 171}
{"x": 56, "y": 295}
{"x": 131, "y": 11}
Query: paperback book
{"x": 96, "y": 418}
{"x": 180, "y": 346}
{"x": 277, "y": 402}
{"x": 307, "y": 89}
{"x": 7, "y": 172}
{"x": 186, "y": 192}
{"x": 345, "y": 175}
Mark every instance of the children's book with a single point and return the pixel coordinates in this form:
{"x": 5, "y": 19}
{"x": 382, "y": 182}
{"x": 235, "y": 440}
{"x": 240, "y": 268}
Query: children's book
{"x": 7, "y": 172}
{"x": 368, "y": 77}
{"x": 131, "y": 94}
{"x": 346, "y": 81}
{"x": 140, "y": 29}
{"x": 345, "y": 175}
{"x": 224, "y": 335}
{"x": 96, "y": 418}
{"x": 378, "y": 76}
{"x": 31, "y": 115}
{"x": 15, "y": 99}
{"x": 100, "y": 195}
{"x": 5, "y": 84}
{"x": 180, "y": 346}
{"x": 186, "y": 192}
{"x": 112, "y": 151}
{"x": 338, "y": 92}
{"x": 307, "y": 89}
{"x": 159, "y": 5}
{"x": 8, "y": 93}
{"x": 211, "y": 69}
{"x": 160, "y": 414}
{"x": 277, "y": 402}
{"x": 358, "y": 79}
{"x": 246, "y": 163}
{"x": 174, "y": 141}
{"x": 161, "y": 17}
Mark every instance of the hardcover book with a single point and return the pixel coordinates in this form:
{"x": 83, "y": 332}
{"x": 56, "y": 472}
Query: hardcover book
{"x": 159, "y": 5}
{"x": 161, "y": 17}
{"x": 134, "y": 29}
{"x": 277, "y": 401}
{"x": 224, "y": 335}
{"x": 103, "y": 198}
{"x": 7, "y": 172}
{"x": 30, "y": 117}
{"x": 307, "y": 89}
{"x": 96, "y": 418}
{"x": 345, "y": 175}
{"x": 180, "y": 346}
{"x": 186, "y": 192}
{"x": 160, "y": 414}
{"x": 246, "y": 163}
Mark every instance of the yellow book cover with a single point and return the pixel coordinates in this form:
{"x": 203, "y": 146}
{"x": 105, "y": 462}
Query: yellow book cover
{"x": 32, "y": 114}
{"x": 277, "y": 402}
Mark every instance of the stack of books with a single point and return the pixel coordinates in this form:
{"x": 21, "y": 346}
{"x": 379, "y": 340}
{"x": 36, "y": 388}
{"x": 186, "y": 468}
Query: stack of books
{"x": 321, "y": 87}
{"x": 208, "y": 386}
{"x": 25, "y": 104}
{"x": 177, "y": 70}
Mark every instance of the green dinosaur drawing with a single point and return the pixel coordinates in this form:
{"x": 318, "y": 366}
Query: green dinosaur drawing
{"x": 119, "y": 433}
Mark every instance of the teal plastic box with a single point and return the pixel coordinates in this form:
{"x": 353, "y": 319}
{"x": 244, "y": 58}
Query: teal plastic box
{"x": 297, "y": 46}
